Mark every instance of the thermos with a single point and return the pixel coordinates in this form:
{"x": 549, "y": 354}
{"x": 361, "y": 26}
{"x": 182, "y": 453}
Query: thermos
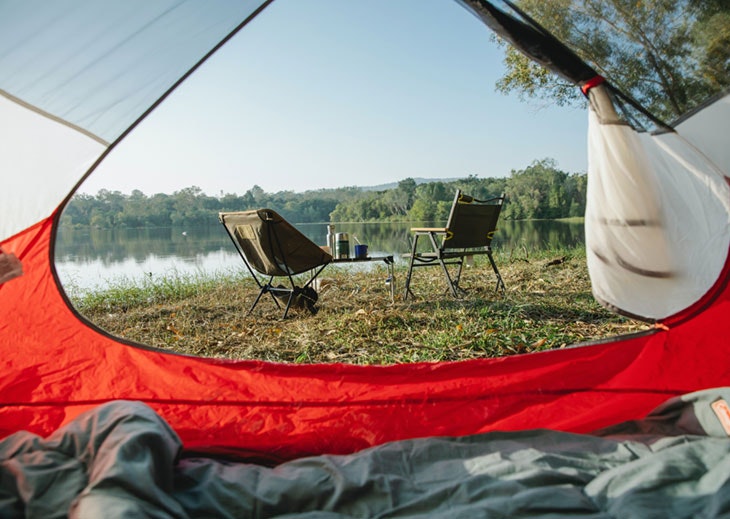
{"x": 342, "y": 245}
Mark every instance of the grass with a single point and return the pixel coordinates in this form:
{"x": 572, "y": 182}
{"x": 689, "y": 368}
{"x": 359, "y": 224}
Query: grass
{"x": 548, "y": 304}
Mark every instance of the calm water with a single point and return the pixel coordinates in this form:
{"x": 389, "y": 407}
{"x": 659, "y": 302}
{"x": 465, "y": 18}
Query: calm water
{"x": 88, "y": 259}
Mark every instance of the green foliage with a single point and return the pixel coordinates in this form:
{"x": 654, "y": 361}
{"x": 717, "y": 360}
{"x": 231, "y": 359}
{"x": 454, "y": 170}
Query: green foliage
{"x": 539, "y": 191}
{"x": 542, "y": 191}
{"x": 425, "y": 202}
{"x": 670, "y": 55}
{"x": 192, "y": 207}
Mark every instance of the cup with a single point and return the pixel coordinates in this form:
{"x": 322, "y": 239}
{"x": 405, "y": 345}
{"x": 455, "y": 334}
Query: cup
{"x": 361, "y": 251}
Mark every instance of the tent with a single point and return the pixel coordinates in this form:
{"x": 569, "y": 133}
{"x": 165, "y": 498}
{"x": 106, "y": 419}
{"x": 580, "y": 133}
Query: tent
{"x": 77, "y": 76}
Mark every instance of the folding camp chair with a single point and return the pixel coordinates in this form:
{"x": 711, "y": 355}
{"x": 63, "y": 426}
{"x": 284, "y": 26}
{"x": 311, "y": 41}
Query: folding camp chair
{"x": 469, "y": 231}
{"x": 273, "y": 248}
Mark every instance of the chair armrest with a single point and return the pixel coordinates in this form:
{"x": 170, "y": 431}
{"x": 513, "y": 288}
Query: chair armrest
{"x": 428, "y": 229}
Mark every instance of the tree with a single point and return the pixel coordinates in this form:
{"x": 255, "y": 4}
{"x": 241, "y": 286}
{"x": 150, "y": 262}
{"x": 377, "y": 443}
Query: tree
{"x": 712, "y": 33}
{"x": 256, "y": 194}
{"x": 160, "y": 207}
{"x": 109, "y": 205}
{"x": 481, "y": 188}
{"x": 78, "y": 212}
{"x": 405, "y": 194}
{"x": 670, "y": 55}
{"x": 541, "y": 191}
{"x": 432, "y": 203}
{"x": 134, "y": 210}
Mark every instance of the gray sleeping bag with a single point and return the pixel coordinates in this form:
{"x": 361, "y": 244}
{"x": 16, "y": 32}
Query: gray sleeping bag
{"x": 123, "y": 460}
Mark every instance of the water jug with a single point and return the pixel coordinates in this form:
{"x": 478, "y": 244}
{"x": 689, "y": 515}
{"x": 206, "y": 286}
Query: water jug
{"x": 331, "y": 239}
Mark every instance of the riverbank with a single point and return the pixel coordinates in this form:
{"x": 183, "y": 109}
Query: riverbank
{"x": 548, "y": 304}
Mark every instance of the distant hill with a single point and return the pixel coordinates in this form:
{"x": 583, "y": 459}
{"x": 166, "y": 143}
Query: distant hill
{"x": 419, "y": 180}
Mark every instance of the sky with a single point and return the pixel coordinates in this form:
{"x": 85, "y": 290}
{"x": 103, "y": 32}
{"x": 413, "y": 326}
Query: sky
{"x": 330, "y": 93}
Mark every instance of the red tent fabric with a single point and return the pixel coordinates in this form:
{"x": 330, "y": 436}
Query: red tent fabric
{"x": 56, "y": 365}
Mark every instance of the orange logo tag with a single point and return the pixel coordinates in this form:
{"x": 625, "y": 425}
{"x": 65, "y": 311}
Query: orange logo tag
{"x": 722, "y": 411}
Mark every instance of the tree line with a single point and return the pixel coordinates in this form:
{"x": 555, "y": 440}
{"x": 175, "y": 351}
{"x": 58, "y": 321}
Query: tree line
{"x": 669, "y": 55}
{"x": 540, "y": 191}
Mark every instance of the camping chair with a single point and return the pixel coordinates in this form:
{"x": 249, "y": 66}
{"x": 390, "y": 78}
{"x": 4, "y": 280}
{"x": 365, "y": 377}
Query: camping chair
{"x": 469, "y": 231}
{"x": 272, "y": 247}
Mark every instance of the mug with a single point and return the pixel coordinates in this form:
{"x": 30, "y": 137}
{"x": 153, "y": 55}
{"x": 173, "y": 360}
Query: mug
{"x": 361, "y": 251}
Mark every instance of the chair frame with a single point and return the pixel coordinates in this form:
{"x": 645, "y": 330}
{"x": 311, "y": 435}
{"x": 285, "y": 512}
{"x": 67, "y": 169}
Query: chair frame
{"x": 265, "y": 285}
{"x": 443, "y": 254}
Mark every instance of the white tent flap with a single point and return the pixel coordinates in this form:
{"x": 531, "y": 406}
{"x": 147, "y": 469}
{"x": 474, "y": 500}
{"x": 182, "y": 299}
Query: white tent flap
{"x": 657, "y": 232}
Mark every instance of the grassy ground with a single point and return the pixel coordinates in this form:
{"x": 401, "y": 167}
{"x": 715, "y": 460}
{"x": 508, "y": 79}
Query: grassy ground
{"x": 548, "y": 304}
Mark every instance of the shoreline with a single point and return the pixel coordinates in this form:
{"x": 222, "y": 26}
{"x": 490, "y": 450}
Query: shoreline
{"x": 547, "y": 305}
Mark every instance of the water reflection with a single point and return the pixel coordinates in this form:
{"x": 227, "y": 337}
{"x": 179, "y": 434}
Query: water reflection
{"x": 90, "y": 258}
{"x": 538, "y": 234}
{"x": 111, "y": 246}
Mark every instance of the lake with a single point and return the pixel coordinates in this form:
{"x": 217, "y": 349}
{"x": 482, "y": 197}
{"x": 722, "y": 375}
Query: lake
{"x": 93, "y": 258}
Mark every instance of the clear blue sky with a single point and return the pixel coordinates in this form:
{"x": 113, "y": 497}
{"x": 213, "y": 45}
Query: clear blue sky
{"x": 328, "y": 93}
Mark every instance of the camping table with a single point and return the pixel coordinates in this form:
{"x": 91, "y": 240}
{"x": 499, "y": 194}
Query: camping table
{"x": 388, "y": 260}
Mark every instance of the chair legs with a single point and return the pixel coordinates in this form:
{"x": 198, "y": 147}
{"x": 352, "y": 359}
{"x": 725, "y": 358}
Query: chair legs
{"x": 452, "y": 281}
{"x": 256, "y": 301}
{"x": 436, "y": 258}
{"x": 306, "y": 297}
{"x": 407, "y": 289}
{"x": 417, "y": 260}
{"x": 500, "y": 284}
